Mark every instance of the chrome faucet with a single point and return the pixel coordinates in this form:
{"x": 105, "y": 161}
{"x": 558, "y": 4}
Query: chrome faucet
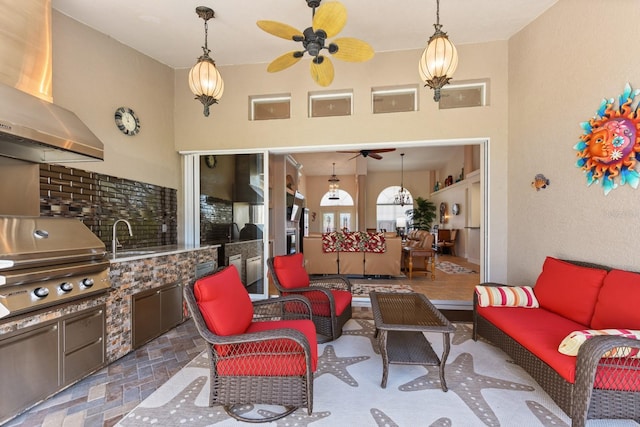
{"x": 114, "y": 241}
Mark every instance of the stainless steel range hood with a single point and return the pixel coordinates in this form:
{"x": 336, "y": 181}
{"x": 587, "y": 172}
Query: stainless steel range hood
{"x": 38, "y": 131}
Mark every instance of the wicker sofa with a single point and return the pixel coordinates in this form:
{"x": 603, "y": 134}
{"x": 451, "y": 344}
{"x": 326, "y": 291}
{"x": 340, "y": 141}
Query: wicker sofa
{"x": 572, "y": 296}
{"x": 358, "y": 259}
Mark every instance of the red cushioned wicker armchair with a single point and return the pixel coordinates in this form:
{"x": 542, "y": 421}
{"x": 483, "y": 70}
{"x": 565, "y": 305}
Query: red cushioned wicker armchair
{"x": 261, "y": 352}
{"x": 330, "y": 296}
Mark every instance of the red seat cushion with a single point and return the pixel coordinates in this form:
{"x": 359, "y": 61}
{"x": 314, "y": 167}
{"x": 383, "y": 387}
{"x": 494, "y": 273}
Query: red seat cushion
{"x": 224, "y": 302}
{"x": 568, "y": 289}
{"x": 277, "y": 357}
{"x": 617, "y": 306}
{"x": 538, "y": 330}
{"x": 290, "y": 271}
{"x": 541, "y": 331}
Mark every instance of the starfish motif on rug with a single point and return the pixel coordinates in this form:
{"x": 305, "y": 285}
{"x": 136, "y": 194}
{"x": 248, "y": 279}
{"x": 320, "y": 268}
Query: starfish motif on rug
{"x": 330, "y": 363}
{"x": 462, "y": 334}
{"x": 300, "y": 418}
{"x": 468, "y": 385}
{"x": 367, "y": 330}
{"x": 181, "y": 407}
{"x": 546, "y": 417}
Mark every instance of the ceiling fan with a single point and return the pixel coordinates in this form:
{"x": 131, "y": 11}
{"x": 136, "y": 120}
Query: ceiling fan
{"x": 369, "y": 153}
{"x": 327, "y": 22}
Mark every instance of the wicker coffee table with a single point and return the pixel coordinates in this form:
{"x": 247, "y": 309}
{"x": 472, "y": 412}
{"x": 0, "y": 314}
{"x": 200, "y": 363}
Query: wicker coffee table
{"x": 400, "y": 320}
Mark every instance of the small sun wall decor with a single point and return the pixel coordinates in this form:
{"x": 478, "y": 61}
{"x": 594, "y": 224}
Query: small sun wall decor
{"x": 610, "y": 145}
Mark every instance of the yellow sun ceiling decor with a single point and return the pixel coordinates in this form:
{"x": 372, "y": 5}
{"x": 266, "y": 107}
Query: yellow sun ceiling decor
{"x": 328, "y": 20}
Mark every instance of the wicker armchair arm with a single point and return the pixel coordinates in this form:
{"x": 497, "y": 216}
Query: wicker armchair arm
{"x": 285, "y": 307}
{"x": 331, "y": 282}
{"x": 588, "y": 361}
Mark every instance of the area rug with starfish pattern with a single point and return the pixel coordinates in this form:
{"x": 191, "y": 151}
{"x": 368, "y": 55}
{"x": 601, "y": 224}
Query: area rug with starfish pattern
{"x": 485, "y": 389}
{"x": 451, "y": 268}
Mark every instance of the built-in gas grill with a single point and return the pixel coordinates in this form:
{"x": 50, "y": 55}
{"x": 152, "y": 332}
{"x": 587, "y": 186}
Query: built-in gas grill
{"x": 48, "y": 261}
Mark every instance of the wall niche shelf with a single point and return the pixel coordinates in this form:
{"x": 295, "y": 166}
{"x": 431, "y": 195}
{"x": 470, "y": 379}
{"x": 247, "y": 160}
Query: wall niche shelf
{"x": 469, "y": 179}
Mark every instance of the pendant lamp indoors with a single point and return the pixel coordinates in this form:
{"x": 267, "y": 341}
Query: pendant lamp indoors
{"x": 333, "y": 185}
{"x": 204, "y": 79}
{"x": 439, "y": 59}
{"x": 402, "y": 197}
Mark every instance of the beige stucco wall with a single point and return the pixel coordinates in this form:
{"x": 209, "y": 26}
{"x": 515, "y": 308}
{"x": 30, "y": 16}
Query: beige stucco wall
{"x": 560, "y": 67}
{"x": 228, "y": 126}
{"x": 92, "y": 76}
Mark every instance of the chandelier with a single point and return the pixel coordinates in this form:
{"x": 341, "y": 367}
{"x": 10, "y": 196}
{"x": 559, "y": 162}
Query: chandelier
{"x": 439, "y": 59}
{"x": 403, "y": 197}
{"x": 333, "y": 185}
{"x": 204, "y": 79}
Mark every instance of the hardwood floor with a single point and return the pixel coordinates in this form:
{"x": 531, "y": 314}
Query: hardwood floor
{"x": 445, "y": 286}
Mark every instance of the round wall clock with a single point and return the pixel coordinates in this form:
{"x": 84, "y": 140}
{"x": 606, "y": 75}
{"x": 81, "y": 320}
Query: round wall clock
{"x": 211, "y": 161}
{"x": 127, "y": 121}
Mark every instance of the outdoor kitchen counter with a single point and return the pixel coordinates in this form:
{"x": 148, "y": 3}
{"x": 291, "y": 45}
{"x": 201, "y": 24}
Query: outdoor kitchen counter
{"x": 138, "y": 272}
{"x": 153, "y": 251}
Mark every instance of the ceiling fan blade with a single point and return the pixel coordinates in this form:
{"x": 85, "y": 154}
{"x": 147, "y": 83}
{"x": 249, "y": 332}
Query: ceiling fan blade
{"x": 353, "y": 50}
{"x": 283, "y": 61}
{"x": 375, "y": 156}
{"x": 322, "y": 71}
{"x": 351, "y": 151}
{"x": 382, "y": 150}
{"x": 279, "y": 29}
{"x": 330, "y": 17}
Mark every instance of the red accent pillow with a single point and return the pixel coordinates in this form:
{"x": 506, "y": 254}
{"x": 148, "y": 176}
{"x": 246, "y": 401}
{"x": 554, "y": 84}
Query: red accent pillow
{"x": 290, "y": 271}
{"x": 568, "y": 289}
{"x": 224, "y": 302}
{"x": 617, "y": 305}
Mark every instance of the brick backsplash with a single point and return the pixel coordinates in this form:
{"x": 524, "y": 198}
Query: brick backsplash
{"x": 99, "y": 200}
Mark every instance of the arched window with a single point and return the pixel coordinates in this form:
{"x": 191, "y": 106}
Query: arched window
{"x": 388, "y": 212}
{"x": 337, "y": 211}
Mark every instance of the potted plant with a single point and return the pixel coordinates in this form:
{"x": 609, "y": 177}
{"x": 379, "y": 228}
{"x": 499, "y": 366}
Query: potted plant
{"x": 423, "y": 214}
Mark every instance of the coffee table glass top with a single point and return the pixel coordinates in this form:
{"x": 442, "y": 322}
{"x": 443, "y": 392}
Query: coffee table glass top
{"x": 407, "y": 311}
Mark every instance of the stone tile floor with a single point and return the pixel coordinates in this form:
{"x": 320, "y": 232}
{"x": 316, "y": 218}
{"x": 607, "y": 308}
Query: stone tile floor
{"x": 103, "y": 398}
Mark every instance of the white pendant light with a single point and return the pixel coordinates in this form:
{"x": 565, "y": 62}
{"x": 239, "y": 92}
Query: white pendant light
{"x": 439, "y": 59}
{"x": 204, "y": 79}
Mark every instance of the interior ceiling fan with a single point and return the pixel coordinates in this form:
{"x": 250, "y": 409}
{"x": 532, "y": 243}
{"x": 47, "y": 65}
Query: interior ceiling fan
{"x": 369, "y": 153}
{"x": 327, "y": 22}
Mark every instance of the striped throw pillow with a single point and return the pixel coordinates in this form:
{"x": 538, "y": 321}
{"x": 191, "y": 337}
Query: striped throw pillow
{"x": 572, "y": 342}
{"x": 506, "y": 296}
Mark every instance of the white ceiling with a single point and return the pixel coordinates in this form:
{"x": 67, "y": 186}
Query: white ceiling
{"x": 171, "y": 32}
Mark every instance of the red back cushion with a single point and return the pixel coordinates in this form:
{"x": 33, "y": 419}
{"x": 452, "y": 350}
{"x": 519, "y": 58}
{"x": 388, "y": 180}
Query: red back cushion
{"x": 568, "y": 289}
{"x": 290, "y": 271}
{"x": 224, "y": 302}
{"x": 617, "y": 305}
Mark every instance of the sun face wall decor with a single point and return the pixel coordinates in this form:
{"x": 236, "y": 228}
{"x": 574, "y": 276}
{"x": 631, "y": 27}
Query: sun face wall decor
{"x": 610, "y": 146}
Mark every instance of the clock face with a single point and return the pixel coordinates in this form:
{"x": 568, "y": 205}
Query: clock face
{"x": 127, "y": 121}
